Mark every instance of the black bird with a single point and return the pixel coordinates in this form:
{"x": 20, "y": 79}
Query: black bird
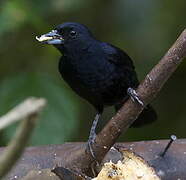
{"x": 99, "y": 72}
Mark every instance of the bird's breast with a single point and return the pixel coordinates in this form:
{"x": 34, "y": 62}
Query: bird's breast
{"x": 94, "y": 81}
{"x": 94, "y": 74}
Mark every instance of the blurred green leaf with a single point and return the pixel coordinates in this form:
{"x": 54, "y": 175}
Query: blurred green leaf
{"x": 59, "y": 119}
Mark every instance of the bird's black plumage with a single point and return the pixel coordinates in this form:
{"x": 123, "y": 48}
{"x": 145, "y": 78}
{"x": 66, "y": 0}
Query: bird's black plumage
{"x": 97, "y": 71}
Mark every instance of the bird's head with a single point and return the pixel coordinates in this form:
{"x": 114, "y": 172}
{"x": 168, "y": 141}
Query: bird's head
{"x": 67, "y": 37}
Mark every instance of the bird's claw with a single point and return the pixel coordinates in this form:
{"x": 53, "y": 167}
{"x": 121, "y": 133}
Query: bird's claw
{"x": 90, "y": 142}
{"x": 134, "y": 96}
{"x": 92, "y": 135}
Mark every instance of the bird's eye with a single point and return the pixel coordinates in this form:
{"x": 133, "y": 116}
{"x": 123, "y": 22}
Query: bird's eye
{"x": 73, "y": 33}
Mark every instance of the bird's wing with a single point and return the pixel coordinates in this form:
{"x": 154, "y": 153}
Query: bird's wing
{"x": 122, "y": 62}
{"x": 117, "y": 56}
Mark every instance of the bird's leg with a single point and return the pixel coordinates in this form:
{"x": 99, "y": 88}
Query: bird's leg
{"x": 92, "y": 135}
{"x": 134, "y": 96}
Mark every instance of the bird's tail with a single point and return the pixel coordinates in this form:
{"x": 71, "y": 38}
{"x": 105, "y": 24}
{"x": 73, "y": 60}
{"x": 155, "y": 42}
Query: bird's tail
{"x": 147, "y": 116}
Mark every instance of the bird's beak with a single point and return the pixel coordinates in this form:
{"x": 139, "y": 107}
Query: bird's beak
{"x": 51, "y": 38}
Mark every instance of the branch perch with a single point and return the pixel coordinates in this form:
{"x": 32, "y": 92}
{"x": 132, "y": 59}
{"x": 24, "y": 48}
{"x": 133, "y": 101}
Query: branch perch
{"x": 28, "y": 110}
{"x": 147, "y": 91}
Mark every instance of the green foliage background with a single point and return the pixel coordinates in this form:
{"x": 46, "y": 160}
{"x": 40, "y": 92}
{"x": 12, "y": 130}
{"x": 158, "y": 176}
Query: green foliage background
{"x": 145, "y": 29}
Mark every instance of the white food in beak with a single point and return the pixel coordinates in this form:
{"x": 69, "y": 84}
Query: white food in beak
{"x": 43, "y": 38}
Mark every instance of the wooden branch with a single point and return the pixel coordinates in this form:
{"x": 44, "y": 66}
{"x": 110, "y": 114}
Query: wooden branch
{"x": 147, "y": 91}
{"x": 27, "y": 110}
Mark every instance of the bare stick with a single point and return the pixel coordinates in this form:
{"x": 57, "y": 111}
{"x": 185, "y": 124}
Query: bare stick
{"x": 21, "y": 111}
{"x": 28, "y": 110}
{"x": 146, "y": 91}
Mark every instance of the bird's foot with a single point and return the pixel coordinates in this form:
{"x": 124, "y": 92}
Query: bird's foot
{"x": 90, "y": 142}
{"x": 134, "y": 96}
{"x": 95, "y": 163}
{"x": 92, "y": 135}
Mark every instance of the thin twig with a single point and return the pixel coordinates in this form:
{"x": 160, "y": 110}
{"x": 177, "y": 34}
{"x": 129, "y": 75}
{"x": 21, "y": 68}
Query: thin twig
{"x": 21, "y": 111}
{"x": 28, "y": 110}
